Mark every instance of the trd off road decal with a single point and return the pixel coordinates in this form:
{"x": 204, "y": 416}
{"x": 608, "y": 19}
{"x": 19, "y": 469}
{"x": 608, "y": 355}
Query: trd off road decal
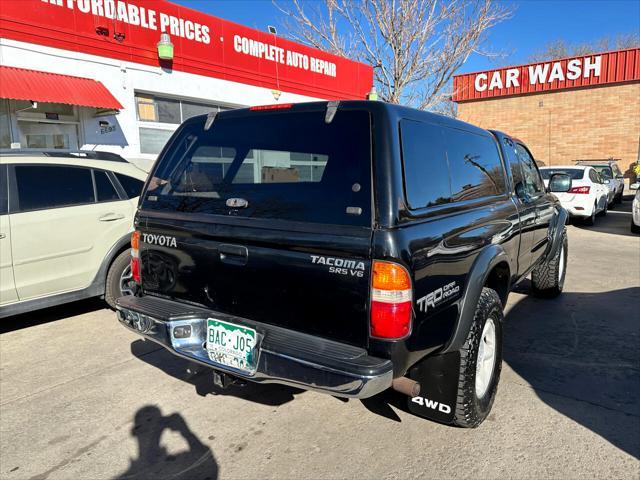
{"x": 439, "y": 295}
{"x": 340, "y": 266}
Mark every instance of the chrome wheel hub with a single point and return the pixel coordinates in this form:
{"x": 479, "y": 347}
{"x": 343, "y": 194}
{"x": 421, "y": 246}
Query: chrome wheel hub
{"x": 125, "y": 278}
{"x": 486, "y": 360}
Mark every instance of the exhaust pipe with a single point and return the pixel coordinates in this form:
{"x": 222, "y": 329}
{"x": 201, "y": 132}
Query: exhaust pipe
{"x": 406, "y": 386}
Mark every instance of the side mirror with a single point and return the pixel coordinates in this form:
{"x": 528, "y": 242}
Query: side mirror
{"x": 607, "y": 182}
{"x": 559, "y": 183}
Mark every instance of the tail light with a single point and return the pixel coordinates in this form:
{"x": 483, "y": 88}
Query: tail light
{"x": 580, "y": 190}
{"x": 391, "y": 300}
{"x": 275, "y": 106}
{"x": 135, "y": 257}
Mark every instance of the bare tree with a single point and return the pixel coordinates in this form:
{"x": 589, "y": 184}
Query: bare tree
{"x": 415, "y": 46}
{"x": 561, "y": 49}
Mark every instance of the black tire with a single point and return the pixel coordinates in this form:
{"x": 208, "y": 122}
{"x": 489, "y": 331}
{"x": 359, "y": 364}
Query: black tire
{"x": 592, "y": 219}
{"x": 634, "y": 228}
{"x": 113, "y": 288}
{"x": 547, "y": 279}
{"x": 603, "y": 213}
{"x": 471, "y": 410}
{"x": 618, "y": 198}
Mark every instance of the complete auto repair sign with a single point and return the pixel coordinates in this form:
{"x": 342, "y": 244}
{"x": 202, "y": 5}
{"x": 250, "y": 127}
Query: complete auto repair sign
{"x": 203, "y": 44}
{"x": 588, "y": 70}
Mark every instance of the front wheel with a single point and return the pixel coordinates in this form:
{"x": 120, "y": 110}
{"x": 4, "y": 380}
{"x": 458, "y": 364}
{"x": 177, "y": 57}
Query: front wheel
{"x": 118, "y": 279}
{"x": 547, "y": 278}
{"x": 480, "y": 362}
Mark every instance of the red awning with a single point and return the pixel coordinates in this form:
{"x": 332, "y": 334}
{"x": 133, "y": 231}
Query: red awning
{"x": 22, "y": 84}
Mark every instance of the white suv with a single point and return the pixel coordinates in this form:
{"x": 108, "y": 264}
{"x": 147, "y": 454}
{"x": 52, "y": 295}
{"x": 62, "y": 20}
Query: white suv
{"x": 65, "y": 223}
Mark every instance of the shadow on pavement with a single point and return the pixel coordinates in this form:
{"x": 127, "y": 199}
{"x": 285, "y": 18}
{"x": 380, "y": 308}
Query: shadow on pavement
{"x": 580, "y": 354}
{"x": 202, "y": 378}
{"x": 51, "y": 314}
{"x": 153, "y": 459}
{"x": 616, "y": 222}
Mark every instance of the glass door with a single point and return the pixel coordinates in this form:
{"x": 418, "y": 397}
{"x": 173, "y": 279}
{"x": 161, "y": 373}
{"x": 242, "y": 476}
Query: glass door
{"x": 48, "y": 135}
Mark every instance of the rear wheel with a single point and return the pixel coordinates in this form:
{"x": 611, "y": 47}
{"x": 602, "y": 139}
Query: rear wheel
{"x": 634, "y": 228}
{"x": 592, "y": 219}
{"x": 480, "y": 362}
{"x": 618, "y": 198}
{"x": 605, "y": 209}
{"x": 118, "y": 278}
{"x": 547, "y": 279}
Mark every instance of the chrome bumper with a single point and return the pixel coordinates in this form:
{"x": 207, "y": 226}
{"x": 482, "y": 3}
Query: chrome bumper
{"x": 285, "y": 356}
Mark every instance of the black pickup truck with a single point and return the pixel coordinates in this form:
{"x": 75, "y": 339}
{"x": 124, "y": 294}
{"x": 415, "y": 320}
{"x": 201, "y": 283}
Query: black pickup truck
{"x": 344, "y": 247}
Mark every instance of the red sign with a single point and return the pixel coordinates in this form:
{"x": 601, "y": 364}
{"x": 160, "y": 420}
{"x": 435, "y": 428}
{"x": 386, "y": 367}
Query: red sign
{"x": 584, "y": 71}
{"x": 204, "y": 45}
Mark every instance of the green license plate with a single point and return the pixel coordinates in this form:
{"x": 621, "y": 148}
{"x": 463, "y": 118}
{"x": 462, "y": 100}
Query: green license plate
{"x": 232, "y": 345}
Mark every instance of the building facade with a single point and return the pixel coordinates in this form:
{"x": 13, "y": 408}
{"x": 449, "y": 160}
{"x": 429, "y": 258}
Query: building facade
{"x": 580, "y": 108}
{"x": 100, "y": 74}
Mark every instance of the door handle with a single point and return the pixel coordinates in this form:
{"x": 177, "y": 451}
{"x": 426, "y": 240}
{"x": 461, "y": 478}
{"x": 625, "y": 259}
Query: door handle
{"x": 233, "y": 254}
{"x": 110, "y": 217}
{"x": 2, "y": 235}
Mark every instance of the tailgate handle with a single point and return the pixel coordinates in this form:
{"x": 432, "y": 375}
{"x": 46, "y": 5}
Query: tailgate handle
{"x": 233, "y": 254}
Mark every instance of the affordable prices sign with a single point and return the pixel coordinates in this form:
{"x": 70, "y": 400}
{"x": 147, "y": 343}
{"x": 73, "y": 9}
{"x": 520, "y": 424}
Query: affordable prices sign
{"x": 203, "y": 44}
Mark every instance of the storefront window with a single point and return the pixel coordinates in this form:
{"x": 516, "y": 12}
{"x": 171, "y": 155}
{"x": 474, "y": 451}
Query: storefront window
{"x": 168, "y": 113}
{"x": 5, "y": 127}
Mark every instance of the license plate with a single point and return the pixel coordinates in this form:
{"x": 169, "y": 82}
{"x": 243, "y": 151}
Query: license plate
{"x": 232, "y": 345}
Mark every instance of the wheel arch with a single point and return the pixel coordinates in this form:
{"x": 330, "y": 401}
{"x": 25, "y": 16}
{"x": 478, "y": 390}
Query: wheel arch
{"x": 491, "y": 268}
{"x": 116, "y": 249}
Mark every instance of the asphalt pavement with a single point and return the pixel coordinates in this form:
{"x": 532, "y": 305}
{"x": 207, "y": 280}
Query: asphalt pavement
{"x": 83, "y": 398}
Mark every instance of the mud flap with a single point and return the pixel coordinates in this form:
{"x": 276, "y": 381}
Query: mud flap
{"x": 438, "y": 377}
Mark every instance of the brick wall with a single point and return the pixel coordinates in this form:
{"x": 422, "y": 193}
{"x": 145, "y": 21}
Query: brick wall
{"x": 562, "y": 126}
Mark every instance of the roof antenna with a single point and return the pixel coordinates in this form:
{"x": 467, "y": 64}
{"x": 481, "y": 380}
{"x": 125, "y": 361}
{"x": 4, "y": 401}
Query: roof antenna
{"x": 211, "y": 117}
{"x": 332, "y": 108}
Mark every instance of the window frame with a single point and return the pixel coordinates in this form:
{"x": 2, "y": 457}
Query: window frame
{"x": 536, "y": 168}
{"x": 4, "y": 187}
{"x": 453, "y": 205}
{"x": 116, "y": 187}
{"x": 14, "y": 199}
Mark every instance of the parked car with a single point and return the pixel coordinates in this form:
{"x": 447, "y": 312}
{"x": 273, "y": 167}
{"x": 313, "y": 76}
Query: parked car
{"x": 635, "y": 208}
{"x": 588, "y": 196}
{"x": 611, "y": 174}
{"x": 344, "y": 247}
{"x": 65, "y": 224}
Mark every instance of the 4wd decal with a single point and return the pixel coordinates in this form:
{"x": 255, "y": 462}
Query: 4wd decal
{"x": 425, "y": 402}
{"x": 431, "y": 300}
{"x": 340, "y": 266}
{"x": 161, "y": 240}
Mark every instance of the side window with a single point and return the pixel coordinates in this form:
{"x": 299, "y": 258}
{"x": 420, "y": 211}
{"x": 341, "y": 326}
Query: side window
{"x": 132, "y": 186}
{"x": 474, "y": 164}
{"x": 595, "y": 178}
{"x": 532, "y": 182}
{"x": 4, "y": 191}
{"x": 50, "y": 186}
{"x": 104, "y": 188}
{"x": 426, "y": 174}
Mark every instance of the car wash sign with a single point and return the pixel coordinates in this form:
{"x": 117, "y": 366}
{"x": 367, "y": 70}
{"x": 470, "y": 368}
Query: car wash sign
{"x": 583, "y": 71}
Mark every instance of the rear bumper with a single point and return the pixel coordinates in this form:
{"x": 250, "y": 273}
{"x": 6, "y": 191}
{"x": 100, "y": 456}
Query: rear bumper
{"x": 285, "y": 356}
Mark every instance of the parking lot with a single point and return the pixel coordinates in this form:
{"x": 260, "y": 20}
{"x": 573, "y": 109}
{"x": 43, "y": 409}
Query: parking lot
{"x": 81, "y": 397}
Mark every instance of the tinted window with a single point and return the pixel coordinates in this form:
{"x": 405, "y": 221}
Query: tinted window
{"x": 45, "y": 186}
{"x": 104, "y": 187}
{"x": 287, "y": 165}
{"x": 532, "y": 181}
{"x": 4, "y": 191}
{"x": 595, "y": 178}
{"x": 132, "y": 186}
{"x": 443, "y": 165}
{"x": 575, "y": 173}
{"x": 425, "y": 164}
{"x": 475, "y": 165}
{"x": 605, "y": 171}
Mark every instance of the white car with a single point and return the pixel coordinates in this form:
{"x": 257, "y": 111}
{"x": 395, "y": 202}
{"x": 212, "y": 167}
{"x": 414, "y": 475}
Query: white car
{"x": 611, "y": 175}
{"x": 635, "y": 208}
{"x": 65, "y": 224}
{"x": 588, "y": 196}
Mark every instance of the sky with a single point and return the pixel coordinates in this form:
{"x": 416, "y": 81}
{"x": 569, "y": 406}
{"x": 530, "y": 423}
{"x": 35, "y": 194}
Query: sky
{"x": 534, "y": 23}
